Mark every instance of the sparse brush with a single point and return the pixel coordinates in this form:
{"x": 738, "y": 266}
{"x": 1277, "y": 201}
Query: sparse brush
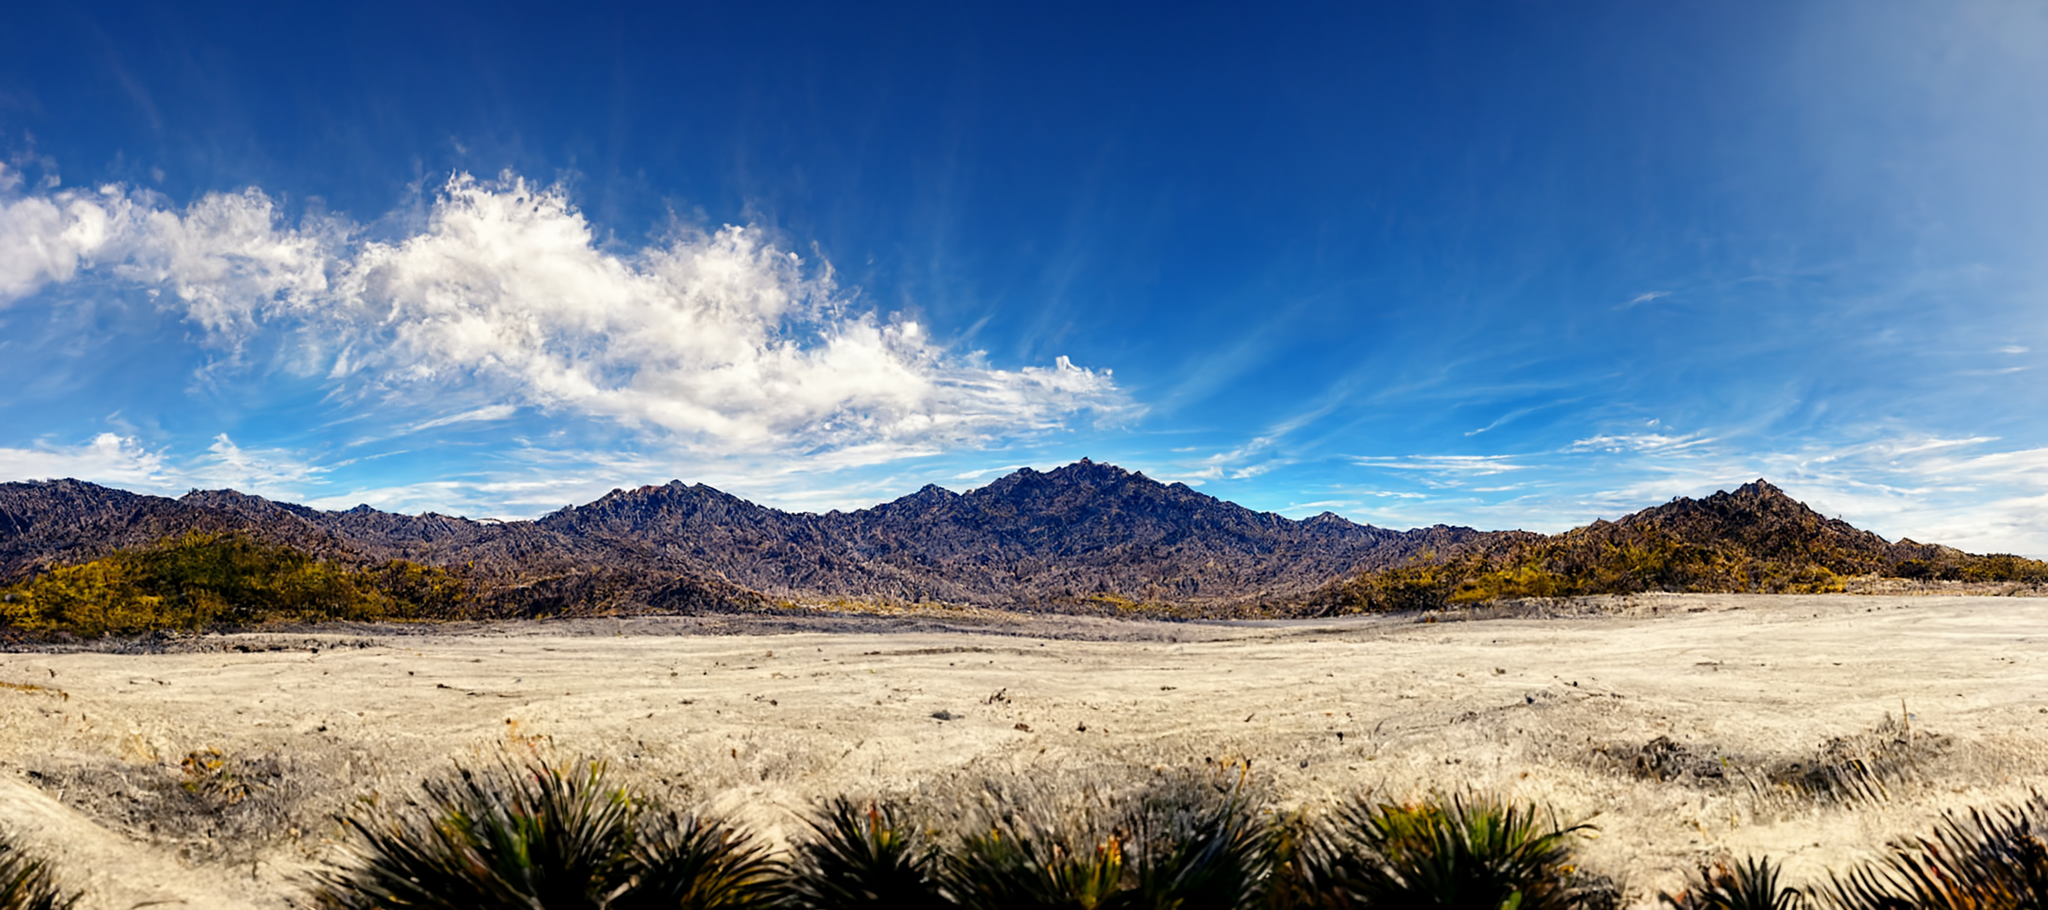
{"x": 1749, "y": 885}
{"x": 863, "y": 858}
{"x": 1462, "y": 852}
{"x": 26, "y": 882}
{"x": 1987, "y": 860}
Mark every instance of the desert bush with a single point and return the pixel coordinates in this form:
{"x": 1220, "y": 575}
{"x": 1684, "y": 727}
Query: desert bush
{"x": 201, "y": 580}
{"x": 859, "y": 857}
{"x": 685, "y": 862}
{"x": 1444, "y": 851}
{"x": 26, "y": 882}
{"x": 1982, "y": 860}
{"x": 1190, "y": 840}
{"x": 536, "y": 835}
{"x": 1990, "y": 567}
{"x": 1015, "y": 867}
{"x": 1193, "y": 857}
{"x": 1749, "y": 885}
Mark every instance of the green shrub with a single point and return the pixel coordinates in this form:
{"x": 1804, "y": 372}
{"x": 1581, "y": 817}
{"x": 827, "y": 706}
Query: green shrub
{"x": 863, "y": 858}
{"x": 1452, "y": 852}
{"x": 201, "y": 580}
{"x": 535, "y": 835}
{"x": 1012, "y": 867}
{"x": 690, "y": 863}
{"x": 1986, "y": 860}
{"x": 1182, "y": 844}
{"x": 26, "y": 882}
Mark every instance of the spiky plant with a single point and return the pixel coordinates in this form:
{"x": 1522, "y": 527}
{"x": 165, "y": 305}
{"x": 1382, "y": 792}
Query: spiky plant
{"x": 26, "y": 882}
{"x": 1216, "y": 858}
{"x": 690, "y": 863}
{"x": 1299, "y": 859}
{"x": 1462, "y": 852}
{"x": 1986, "y": 860}
{"x": 1749, "y": 885}
{"x": 1187, "y": 842}
{"x": 1010, "y": 868}
{"x": 516, "y": 836}
{"x": 862, "y": 857}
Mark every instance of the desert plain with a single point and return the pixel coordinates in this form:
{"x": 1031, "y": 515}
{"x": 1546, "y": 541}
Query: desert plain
{"x": 208, "y": 771}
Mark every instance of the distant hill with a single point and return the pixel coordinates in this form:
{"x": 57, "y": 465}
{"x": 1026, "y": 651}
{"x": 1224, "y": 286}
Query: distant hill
{"x": 1087, "y": 536}
{"x": 1755, "y": 539}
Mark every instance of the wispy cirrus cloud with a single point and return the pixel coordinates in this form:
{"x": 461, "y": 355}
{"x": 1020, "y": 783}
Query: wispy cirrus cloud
{"x": 1455, "y": 466}
{"x": 1961, "y": 491}
{"x": 107, "y": 458}
{"x": 1638, "y": 442}
{"x": 111, "y": 458}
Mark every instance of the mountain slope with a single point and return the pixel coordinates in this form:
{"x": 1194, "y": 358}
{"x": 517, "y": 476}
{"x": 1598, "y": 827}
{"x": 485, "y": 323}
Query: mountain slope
{"x": 1755, "y": 539}
{"x": 1085, "y": 536}
{"x": 1031, "y": 539}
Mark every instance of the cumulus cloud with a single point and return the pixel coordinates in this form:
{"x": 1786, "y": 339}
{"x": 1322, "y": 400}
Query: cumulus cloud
{"x": 718, "y": 341}
{"x": 45, "y": 239}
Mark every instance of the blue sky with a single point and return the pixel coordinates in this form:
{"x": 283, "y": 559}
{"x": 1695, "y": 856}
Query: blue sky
{"x": 1499, "y": 264}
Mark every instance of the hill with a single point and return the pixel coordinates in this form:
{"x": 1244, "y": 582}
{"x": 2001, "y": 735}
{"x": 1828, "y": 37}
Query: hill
{"x": 1753, "y": 540}
{"x": 1085, "y": 537}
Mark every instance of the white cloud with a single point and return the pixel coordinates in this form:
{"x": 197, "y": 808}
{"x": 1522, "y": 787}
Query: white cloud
{"x": 1958, "y": 491}
{"x": 45, "y": 239}
{"x": 1637, "y": 442}
{"x": 1643, "y": 298}
{"x": 275, "y": 473}
{"x": 714, "y": 342}
{"x": 229, "y": 258}
{"x": 108, "y": 458}
{"x": 474, "y": 415}
{"x": 1447, "y": 465}
{"x": 123, "y": 461}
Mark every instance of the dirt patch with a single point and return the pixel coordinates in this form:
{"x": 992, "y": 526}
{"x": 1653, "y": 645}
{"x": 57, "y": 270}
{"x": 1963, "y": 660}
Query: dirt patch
{"x": 1685, "y": 728}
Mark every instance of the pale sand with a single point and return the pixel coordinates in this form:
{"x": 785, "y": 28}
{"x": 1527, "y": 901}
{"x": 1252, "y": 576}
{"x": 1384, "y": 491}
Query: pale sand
{"x": 762, "y": 724}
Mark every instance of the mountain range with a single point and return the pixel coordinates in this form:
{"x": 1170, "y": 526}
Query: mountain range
{"x": 1083, "y": 537}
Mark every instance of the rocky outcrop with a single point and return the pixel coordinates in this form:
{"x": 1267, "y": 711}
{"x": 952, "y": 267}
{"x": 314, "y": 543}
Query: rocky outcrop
{"x": 1084, "y": 534}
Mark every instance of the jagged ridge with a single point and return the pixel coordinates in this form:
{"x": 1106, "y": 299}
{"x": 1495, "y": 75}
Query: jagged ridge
{"x": 1082, "y": 536}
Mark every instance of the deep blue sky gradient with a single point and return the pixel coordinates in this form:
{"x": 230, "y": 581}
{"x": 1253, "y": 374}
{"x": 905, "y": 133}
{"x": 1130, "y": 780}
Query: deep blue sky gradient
{"x": 1506, "y": 264}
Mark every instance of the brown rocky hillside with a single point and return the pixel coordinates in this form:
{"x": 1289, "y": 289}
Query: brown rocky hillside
{"x": 1086, "y": 536}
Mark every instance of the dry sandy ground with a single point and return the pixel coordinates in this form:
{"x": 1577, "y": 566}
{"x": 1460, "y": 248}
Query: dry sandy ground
{"x": 208, "y": 776}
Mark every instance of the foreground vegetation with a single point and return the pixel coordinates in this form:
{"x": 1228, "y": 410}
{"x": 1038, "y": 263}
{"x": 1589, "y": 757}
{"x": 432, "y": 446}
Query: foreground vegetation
{"x": 26, "y": 882}
{"x": 203, "y": 580}
{"x": 537, "y": 835}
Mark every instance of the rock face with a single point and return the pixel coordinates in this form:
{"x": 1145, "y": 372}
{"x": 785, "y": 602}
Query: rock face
{"x": 1084, "y": 534}
{"x": 1760, "y": 520}
{"x": 1031, "y": 539}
